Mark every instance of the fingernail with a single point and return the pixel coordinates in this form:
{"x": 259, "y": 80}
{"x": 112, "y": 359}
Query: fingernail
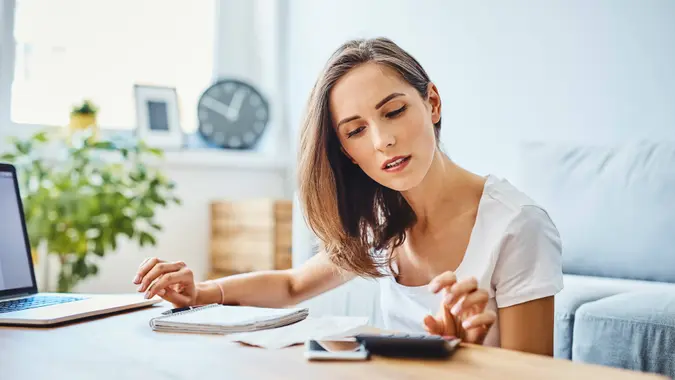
{"x": 140, "y": 288}
{"x": 466, "y": 324}
{"x": 147, "y": 295}
{"x": 455, "y": 309}
{"x": 161, "y": 292}
{"x": 432, "y": 287}
{"x": 137, "y": 278}
{"x": 448, "y": 299}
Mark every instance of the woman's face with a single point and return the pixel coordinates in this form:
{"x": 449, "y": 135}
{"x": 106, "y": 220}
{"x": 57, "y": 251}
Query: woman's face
{"x": 384, "y": 125}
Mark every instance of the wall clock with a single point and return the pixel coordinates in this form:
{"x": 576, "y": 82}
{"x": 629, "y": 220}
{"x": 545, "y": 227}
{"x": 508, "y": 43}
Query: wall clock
{"x": 232, "y": 114}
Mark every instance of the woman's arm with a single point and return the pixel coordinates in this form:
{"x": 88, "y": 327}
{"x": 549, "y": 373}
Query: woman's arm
{"x": 528, "y": 326}
{"x": 278, "y": 288}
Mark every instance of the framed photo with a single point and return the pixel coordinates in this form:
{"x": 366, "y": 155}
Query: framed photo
{"x": 157, "y": 117}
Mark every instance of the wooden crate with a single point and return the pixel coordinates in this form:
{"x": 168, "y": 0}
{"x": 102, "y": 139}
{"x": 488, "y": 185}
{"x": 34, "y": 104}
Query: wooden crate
{"x": 250, "y": 235}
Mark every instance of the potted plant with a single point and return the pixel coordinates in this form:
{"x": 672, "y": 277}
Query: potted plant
{"x": 81, "y": 198}
{"x": 83, "y": 116}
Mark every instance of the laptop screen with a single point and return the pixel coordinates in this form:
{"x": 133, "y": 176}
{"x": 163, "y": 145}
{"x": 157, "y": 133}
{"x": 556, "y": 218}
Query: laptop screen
{"x": 15, "y": 270}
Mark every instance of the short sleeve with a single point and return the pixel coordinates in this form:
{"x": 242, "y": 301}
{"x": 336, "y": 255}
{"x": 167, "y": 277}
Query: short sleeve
{"x": 529, "y": 265}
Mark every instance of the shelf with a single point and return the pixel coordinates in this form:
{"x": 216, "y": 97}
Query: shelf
{"x": 214, "y": 158}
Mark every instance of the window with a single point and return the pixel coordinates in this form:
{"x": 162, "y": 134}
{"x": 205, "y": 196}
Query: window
{"x": 71, "y": 50}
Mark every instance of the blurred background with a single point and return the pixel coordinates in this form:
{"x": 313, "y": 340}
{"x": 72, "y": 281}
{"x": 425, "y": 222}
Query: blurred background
{"x": 508, "y": 72}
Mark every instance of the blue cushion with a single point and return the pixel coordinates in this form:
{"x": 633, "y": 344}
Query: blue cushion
{"x": 578, "y": 290}
{"x": 613, "y": 205}
{"x": 633, "y": 330}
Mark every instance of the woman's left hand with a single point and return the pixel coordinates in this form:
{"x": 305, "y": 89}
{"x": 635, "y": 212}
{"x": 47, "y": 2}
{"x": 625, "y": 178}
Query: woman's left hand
{"x": 462, "y": 302}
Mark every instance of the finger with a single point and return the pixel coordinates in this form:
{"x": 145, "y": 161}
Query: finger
{"x": 462, "y": 288}
{"x": 177, "y": 299}
{"x": 482, "y": 320}
{"x": 166, "y": 280}
{"x": 444, "y": 322}
{"x": 156, "y": 271}
{"x": 477, "y": 299}
{"x": 137, "y": 276}
{"x": 441, "y": 281}
{"x": 459, "y": 289}
{"x": 432, "y": 326}
{"x": 143, "y": 269}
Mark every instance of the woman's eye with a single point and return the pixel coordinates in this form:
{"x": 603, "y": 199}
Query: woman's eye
{"x": 355, "y": 132}
{"x": 396, "y": 113}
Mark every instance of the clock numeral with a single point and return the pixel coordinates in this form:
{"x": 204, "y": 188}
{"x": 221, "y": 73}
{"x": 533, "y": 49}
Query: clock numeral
{"x": 235, "y": 142}
{"x": 229, "y": 87}
{"x": 219, "y": 137}
{"x": 249, "y": 137}
{"x": 258, "y": 126}
{"x": 254, "y": 100}
{"x": 203, "y": 114}
{"x": 207, "y": 128}
{"x": 261, "y": 114}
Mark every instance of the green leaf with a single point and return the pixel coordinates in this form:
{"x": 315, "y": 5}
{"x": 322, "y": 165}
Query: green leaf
{"x": 24, "y": 147}
{"x": 41, "y": 137}
{"x": 8, "y": 157}
{"x": 104, "y": 145}
{"x": 146, "y": 238}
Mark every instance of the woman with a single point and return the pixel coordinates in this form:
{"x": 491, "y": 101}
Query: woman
{"x": 456, "y": 253}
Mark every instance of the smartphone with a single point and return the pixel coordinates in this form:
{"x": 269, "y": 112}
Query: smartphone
{"x": 336, "y": 349}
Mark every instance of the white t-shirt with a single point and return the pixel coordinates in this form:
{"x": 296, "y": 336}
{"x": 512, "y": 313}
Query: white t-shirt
{"x": 514, "y": 252}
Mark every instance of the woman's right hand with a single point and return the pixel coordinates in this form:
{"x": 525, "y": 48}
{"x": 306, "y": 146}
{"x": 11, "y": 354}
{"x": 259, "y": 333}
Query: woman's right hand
{"x": 173, "y": 281}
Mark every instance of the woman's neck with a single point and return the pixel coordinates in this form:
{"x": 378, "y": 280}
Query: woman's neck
{"x": 445, "y": 192}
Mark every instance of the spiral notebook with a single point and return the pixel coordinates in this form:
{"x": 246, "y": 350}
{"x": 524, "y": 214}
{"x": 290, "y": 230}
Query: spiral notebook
{"x": 221, "y": 319}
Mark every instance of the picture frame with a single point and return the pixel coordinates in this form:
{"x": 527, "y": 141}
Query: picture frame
{"x": 157, "y": 116}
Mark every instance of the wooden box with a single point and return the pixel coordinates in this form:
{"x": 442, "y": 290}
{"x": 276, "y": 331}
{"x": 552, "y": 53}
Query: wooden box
{"x": 250, "y": 235}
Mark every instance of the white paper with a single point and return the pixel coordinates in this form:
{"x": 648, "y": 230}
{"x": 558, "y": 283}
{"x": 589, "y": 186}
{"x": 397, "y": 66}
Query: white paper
{"x": 310, "y": 328}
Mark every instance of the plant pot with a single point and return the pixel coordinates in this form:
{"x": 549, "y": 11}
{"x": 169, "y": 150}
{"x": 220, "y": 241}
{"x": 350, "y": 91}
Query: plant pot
{"x": 83, "y": 121}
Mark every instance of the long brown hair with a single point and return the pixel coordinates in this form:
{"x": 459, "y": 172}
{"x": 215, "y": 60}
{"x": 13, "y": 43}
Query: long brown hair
{"x": 355, "y": 218}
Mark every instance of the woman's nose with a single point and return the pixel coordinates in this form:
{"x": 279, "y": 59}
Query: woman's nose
{"x": 383, "y": 139}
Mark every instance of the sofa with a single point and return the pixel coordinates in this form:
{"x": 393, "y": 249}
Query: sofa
{"x": 614, "y": 206}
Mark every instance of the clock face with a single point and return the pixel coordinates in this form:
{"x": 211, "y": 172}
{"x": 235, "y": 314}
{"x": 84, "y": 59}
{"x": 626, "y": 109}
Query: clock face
{"x": 232, "y": 114}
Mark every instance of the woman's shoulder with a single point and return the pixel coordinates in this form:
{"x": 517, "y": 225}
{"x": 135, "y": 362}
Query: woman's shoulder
{"x": 513, "y": 207}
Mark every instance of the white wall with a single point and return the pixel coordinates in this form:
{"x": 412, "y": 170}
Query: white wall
{"x": 512, "y": 70}
{"x": 507, "y": 71}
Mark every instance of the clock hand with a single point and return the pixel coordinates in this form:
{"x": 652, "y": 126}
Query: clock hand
{"x": 235, "y": 104}
{"x": 217, "y": 107}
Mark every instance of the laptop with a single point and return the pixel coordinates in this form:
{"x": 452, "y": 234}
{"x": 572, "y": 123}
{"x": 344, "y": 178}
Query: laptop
{"x": 20, "y": 301}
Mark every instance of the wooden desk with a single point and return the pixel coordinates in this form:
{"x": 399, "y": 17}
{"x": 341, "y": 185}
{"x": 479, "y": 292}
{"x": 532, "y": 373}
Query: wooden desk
{"x": 123, "y": 346}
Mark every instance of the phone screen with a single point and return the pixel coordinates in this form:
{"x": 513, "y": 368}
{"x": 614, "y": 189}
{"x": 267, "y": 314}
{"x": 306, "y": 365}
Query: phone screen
{"x": 335, "y": 346}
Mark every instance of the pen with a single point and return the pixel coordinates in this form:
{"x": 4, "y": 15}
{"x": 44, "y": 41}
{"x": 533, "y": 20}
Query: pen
{"x": 178, "y": 310}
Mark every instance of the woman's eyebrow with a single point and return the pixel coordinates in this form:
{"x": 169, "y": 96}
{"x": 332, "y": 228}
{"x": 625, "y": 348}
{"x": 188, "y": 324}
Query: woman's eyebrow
{"x": 377, "y": 106}
{"x": 387, "y": 98}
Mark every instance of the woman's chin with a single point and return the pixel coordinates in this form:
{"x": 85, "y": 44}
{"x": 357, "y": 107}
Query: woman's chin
{"x": 402, "y": 184}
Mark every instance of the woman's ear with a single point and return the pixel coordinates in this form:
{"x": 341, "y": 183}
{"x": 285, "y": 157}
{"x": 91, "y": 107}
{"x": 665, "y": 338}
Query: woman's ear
{"x": 347, "y": 154}
{"x": 434, "y": 100}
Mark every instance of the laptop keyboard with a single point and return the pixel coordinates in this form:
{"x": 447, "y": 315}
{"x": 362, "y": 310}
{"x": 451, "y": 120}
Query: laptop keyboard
{"x": 34, "y": 302}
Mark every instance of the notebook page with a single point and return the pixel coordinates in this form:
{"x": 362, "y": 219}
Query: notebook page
{"x": 230, "y": 316}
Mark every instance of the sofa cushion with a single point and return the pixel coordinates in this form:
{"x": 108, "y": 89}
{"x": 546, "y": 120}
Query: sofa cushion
{"x": 613, "y": 205}
{"x": 579, "y": 290}
{"x": 634, "y": 330}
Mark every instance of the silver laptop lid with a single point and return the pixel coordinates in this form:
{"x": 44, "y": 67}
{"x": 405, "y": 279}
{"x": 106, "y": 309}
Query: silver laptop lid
{"x": 17, "y": 275}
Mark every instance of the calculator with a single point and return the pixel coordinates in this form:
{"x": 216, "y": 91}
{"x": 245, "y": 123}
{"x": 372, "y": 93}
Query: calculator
{"x": 405, "y": 345}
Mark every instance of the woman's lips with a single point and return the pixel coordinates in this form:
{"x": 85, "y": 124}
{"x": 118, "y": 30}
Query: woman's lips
{"x": 397, "y": 164}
